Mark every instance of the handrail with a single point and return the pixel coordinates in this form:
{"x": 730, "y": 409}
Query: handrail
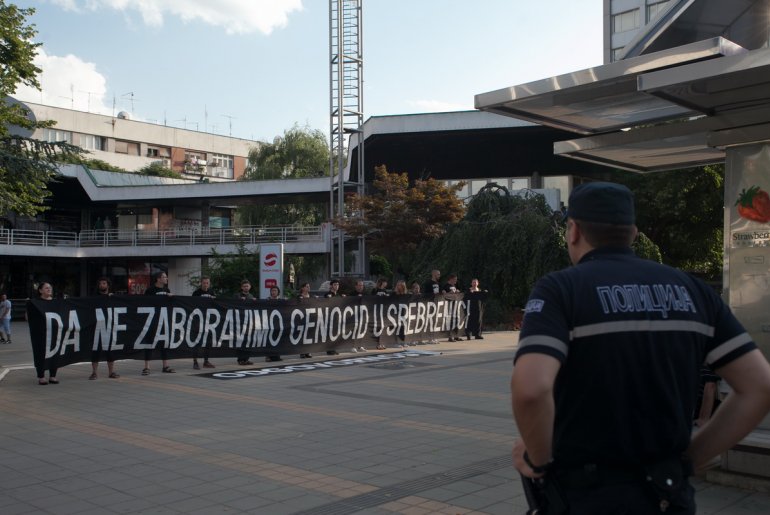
{"x": 179, "y": 236}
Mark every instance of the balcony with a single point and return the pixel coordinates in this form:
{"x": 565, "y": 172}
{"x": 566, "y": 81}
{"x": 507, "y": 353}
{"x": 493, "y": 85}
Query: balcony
{"x": 176, "y": 242}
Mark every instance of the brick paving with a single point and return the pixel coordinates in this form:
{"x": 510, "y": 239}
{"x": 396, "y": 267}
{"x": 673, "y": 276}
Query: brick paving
{"x": 417, "y": 435}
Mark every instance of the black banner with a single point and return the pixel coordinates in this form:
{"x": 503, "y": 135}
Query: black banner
{"x": 119, "y": 327}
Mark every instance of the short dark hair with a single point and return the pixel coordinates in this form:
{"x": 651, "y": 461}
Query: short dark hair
{"x": 334, "y": 281}
{"x": 245, "y": 281}
{"x": 103, "y": 279}
{"x": 606, "y": 235}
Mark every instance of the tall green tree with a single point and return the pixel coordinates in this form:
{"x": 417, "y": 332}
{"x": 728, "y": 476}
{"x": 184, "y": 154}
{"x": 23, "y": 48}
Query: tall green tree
{"x": 26, "y": 165}
{"x": 300, "y": 153}
{"x": 682, "y": 212}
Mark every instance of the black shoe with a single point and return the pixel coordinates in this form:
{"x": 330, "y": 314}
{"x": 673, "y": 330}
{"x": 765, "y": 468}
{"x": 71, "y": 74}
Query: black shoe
{"x": 273, "y": 358}
{"x": 332, "y": 353}
{"x": 479, "y": 337}
{"x": 308, "y": 355}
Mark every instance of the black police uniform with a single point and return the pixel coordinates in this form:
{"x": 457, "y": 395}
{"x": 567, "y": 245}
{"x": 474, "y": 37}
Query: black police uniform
{"x": 631, "y": 336}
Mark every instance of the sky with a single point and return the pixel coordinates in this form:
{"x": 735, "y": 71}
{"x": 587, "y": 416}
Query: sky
{"x": 255, "y": 68}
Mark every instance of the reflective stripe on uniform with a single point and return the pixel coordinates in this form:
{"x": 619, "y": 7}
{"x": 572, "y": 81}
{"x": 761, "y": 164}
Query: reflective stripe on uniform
{"x": 626, "y": 326}
{"x": 730, "y": 345}
{"x": 545, "y": 341}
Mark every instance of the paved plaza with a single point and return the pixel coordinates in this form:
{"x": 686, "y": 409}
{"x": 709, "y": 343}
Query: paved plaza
{"x": 405, "y": 434}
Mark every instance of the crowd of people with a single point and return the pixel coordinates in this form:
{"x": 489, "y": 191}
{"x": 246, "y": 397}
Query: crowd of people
{"x": 159, "y": 286}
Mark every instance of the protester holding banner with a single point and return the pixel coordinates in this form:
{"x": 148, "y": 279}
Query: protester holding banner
{"x": 381, "y": 288}
{"x": 245, "y": 294}
{"x": 334, "y": 288}
{"x": 359, "y": 288}
{"x": 451, "y": 287}
{"x": 203, "y": 291}
{"x": 159, "y": 287}
{"x": 45, "y": 292}
{"x": 304, "y": 293}
{"x": 102, "y": 290}
{"x": 432, "y": 286}
{"x": 275, "y": 294}
{"x": 400, "y": 288}
{"x": 415, "y": 288}
{"x": 476, "y": 298}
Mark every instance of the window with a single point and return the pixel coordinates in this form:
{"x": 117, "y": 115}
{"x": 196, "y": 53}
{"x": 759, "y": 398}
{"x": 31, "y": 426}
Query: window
{"x": 654, "y": 9}
{"x": 221, "y": 165}
{"x": 158, "y": 152}
{"x": 54, "y": 135}
{"x": 626, "y": 21}
{"x": 126, "y": 147}
{"x": 91, "y": 142}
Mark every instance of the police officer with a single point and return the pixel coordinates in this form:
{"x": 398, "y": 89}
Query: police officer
{"x": 606, "y": 373}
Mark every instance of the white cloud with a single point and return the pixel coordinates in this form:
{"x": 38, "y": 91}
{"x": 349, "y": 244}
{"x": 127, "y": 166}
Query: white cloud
{"x": 67, "y": 82}
{"x": 437, "y": 106}
{"x": 235, "y": 16}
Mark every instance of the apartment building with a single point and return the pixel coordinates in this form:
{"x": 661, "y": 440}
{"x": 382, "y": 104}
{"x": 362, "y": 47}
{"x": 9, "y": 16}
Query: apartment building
{"x": 132, "y": 144}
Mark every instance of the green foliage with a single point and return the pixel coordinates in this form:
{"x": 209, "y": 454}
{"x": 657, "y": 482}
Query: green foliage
{"x": 506, "y": 241}
{"x": 646, "y": 248}
{"x": 682, "y": 211}
{"x": 17, "y": 53}
{"x": 26, "y": 165}
{"x": 158, "y": 170}
{"x": 98, "y": 164}
{"x": 26, "y": 168}
{"x": 379, "y": 266}
{"x": 228, "y": 270}
{"x": 300, "y": 153}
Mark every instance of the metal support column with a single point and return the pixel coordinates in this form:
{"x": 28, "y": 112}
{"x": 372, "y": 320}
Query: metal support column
{"x": 346, "y": 120}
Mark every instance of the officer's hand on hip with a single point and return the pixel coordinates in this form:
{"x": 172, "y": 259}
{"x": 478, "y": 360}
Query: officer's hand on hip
{"x": 518, "y": 460}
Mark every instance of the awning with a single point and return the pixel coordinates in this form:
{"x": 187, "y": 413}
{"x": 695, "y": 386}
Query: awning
{"x": 604, "y": 98}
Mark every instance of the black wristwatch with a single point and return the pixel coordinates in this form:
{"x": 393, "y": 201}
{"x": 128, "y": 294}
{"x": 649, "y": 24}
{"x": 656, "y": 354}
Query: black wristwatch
{"x": 542, "y": 469}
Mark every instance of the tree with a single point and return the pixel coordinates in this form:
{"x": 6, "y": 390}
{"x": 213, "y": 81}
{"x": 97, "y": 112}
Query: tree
{"x": 508, "y": 242}
{"x": 228, "y": 270}
{"x": 300, "y": 153}
{"x": 26, "y": 165}
{"x": 397, "y": 217}
{"x": 682, "y": 212}
{"x": 158, "y": 170}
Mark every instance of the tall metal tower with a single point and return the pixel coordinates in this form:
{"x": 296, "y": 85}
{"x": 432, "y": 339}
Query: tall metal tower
{"x": 346, "y": 86}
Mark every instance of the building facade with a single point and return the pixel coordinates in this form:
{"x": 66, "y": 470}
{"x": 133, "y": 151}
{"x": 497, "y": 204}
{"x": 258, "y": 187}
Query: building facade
{"x": 623, "y": 19}
{"x": 130, "y": 144}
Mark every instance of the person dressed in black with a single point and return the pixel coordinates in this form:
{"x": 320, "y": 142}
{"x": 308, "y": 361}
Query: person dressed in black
{"x": 159, "y": 287}
{"x": 102, "y": 290}
{"x": 334, "y": 291}
{"x": 475, "y": 299}
{"x": 275, "y": 294}
{"x": 304, "y": 293}
{"x": 359, "y": 288}
{"x": 451, "y": 287}
{"x": 381, "y": 288}
{"x": 605, "y": 377}
{"x": 204, "y": 290}
{"x": 244, "y": 294}
{"x": 432, "y": 286}
{"x": 44, "y": 292}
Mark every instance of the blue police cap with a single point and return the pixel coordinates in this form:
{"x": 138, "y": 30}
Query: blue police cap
{"x": 602, "y": 202}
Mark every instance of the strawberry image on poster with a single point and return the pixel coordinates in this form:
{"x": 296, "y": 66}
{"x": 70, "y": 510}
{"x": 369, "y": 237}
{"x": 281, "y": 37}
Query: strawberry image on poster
{"x": 754, "y": 204}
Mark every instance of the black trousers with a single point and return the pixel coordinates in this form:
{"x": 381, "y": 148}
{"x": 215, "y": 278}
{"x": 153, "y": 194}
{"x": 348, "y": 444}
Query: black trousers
{"x": 622, "y": 499}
